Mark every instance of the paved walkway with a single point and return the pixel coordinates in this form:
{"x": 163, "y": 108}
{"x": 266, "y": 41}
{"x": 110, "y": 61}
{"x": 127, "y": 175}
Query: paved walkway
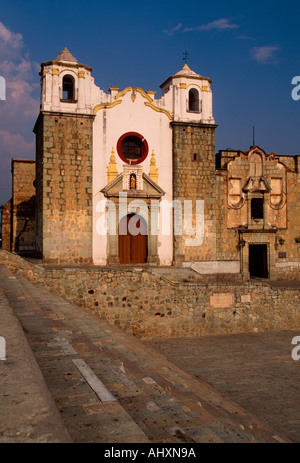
{"x": 255, "y": 370}
{"x": 107, "y": 385}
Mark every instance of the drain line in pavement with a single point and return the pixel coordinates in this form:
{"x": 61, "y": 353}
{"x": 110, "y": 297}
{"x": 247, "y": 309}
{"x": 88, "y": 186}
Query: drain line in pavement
{"x": 93, "y": 381}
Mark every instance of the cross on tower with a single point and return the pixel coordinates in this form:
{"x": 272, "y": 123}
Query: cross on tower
{"x": 185, "y": 56}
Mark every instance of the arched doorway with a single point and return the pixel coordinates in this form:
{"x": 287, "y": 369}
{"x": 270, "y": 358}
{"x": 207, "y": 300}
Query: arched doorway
{"x": 133, "y": 240}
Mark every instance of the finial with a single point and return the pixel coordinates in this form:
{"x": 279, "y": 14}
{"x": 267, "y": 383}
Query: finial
{"x": 112, "y": 172}
{"x": 153, "y": 169}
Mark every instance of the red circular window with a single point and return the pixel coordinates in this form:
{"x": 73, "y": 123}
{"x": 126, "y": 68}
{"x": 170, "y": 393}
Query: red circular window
{"x": 132, "y": 148}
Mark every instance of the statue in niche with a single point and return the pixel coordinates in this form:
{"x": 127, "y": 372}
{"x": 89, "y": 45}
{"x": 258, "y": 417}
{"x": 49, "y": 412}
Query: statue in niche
{"x": 132, "y": 181}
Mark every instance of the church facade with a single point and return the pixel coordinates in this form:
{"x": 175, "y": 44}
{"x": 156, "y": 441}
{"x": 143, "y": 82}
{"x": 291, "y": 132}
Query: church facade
{"x": 127, "y": 178}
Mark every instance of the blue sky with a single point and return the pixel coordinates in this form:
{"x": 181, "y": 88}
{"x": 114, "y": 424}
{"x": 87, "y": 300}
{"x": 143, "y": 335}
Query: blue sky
{"x": 249, "y": 49}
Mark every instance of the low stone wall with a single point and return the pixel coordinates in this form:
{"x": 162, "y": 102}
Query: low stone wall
{"x": 288, "y": 270}
{"x": 151, "y": 306}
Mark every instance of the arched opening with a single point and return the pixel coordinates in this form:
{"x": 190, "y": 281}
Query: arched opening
{"x": 68, "y": 88}
{"x": 133, "y": 240}
{"x": 193, "y": 102}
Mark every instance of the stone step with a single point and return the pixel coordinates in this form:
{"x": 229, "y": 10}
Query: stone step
{"x": 146, "y": 397}
{"x": 28, "y": 412}
{"x": 69, "y": 386}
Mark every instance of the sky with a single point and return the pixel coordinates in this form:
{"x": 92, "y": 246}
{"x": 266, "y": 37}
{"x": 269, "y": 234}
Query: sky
{"x": 250, "y": 50}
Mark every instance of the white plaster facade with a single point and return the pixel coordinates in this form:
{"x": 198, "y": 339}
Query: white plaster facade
{"x": 131, "y": 110}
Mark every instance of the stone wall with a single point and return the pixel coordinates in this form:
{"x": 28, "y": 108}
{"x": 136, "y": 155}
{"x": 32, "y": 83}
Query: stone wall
{"x": 227, "y": 238}
{"x": 6, "y": 226}
{"x": 194, "y": 179}
{"x": 23, "y": 206}
{"x": 18, "y": 228}
{"x": 152, "y": 306}
{"x": 288, "y": 254}
{"x": 64, "y": 192}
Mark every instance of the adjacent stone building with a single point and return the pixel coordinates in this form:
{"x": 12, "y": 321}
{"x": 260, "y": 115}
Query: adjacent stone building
{"x": 258, "y": 212}
{"x": 18, "y": 219}
{"x": 127, "y": 178}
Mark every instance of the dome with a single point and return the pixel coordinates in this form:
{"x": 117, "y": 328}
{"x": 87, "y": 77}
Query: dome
{"x": 66, "y": 56}
{"x": 186, "y": 71}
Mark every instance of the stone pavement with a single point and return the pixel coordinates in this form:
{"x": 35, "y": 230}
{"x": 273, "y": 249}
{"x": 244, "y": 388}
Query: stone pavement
{"x": 27, "y": 410}
{"x": 108, "y": 386}
{"x": 255, "y": 370}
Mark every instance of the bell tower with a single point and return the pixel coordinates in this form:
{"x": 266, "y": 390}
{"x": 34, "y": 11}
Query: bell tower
{"x": 66, "y": 85}
{"x": 64, "y": 140}
{"x": 193, "y": 161}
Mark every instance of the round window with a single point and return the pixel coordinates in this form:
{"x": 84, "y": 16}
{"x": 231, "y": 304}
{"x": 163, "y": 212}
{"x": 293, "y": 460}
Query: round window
{"x": 132, "y": 148}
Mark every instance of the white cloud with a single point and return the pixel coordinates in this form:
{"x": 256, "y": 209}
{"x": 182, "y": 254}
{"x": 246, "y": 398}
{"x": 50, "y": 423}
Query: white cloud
{"x": 22, "y": 99}
{"x": 265, "y": 54}
{"x": 10, "y": 43}
{"x": 219, "y": 25}
{"x": 21, "y": 107}
{"x": 171, "y": 31}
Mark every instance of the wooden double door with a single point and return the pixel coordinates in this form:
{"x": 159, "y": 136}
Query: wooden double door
{"x": 133, "y": 240}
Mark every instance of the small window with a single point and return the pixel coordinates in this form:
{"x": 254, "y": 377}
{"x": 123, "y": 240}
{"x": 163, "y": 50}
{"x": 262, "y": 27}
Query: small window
{"x": 68, "y": 89}
{"x": 195, "y": 157}
{"x": 257, "y": 208}
{"x": 193, "y": 103}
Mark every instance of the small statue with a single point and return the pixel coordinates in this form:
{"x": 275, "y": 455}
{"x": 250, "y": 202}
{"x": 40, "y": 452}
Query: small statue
{"x": 132, "y": 181}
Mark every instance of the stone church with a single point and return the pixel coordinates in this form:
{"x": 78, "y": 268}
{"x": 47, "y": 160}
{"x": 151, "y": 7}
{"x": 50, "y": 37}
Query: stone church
{"x": 126, "y": 178}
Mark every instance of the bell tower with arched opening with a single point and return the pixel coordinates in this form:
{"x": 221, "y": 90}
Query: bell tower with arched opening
{"x": 194, "y": 177}
{"x": 64, "y": 140}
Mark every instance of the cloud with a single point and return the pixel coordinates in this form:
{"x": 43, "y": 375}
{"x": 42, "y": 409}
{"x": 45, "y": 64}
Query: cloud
{"x": 14, "y": 145}
{"x": 244, "y": 37}
{"x": 170, "y": 32}
{"x": 21, "y": 107}
{"x": 22, "y": 98}
{"x": 218, "y": 25}
{"x": 10, "y": 43}
{"x": 266, "y": 54}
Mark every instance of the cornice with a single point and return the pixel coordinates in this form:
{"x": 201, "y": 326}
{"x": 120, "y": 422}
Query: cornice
{"x": 182, "y": 76}
{"x": 67, "y": 65}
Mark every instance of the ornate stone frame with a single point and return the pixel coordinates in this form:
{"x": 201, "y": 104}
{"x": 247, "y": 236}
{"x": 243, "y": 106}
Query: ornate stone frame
{"x": 151, "y": 216}
{"x": 267, "y": 237}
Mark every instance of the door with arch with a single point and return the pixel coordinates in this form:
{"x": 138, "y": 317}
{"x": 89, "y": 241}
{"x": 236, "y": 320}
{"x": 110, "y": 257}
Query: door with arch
{"x": 133, "y": 240}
